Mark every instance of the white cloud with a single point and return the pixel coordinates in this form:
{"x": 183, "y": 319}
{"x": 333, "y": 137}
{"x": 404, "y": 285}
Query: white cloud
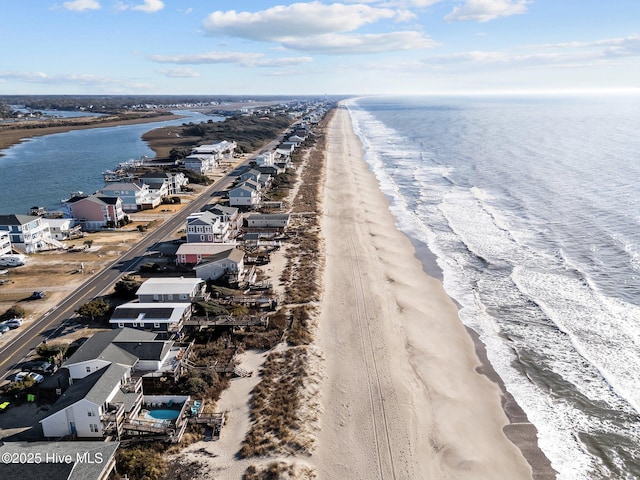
{"x": 81, "y": 5}
{"x": 485, "y": 10}
{"x": 185, "y": 72}
{"x": 239, "y": 58}
{"x": 335, "y": 44}
{"x": 149, "y": 6}
{"x": 295, "y": 20}
{"x": 74, "y": 80}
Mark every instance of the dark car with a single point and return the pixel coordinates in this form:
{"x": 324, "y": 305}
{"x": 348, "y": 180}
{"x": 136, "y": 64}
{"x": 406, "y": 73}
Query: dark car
{"x": 40, "y": 366}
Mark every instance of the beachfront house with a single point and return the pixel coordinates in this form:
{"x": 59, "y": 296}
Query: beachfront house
{"x": 167, "y": 318}
{"x": 268, "y": 221}
{"x": 228, "y": 264}
{"x": 171, "y": 289}
{"x": 134, "y": 196}
{"x": 28, "y": 233}
{"x": 140, "y": 350}
{"x": 82, "y": 409}
{"x": 96, "y": 211}
{"x": 192, "y": 253}
{"x": 205, "y": 227}
{"x": 5, "y": 243}
{"x": 244, "y": 196}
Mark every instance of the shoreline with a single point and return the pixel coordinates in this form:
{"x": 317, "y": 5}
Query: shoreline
{"x": 11, "y": 137}
{"x": 418, "y": 398}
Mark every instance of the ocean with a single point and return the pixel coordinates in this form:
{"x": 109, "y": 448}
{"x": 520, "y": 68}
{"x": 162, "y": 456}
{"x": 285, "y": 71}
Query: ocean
{"x": 531, "y": 208}
{"x": 41, "y": 171}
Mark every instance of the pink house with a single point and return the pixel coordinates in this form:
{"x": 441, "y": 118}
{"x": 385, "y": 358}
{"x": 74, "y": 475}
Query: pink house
{"x": 96, "y": 211}
{"x": 193, "y": 253}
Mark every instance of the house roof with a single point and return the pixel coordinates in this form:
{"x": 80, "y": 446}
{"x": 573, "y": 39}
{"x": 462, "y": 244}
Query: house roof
{"x": 56, "y": 467}
{"x": 169, "y": 285}
{"x": 95, "y": 387}
{"x": 150, "y": 312}
{"x": 241, "y": 188}
{"x": 13, "y": 219}
{"x": 204, "y": 218}
{"x": 156, "y": 350}
{"x": 158, "y": 175}
{"x": 223, "y": 210}
{"x": 203, "y": 249}
{"x": 234, "y": 254}
{"x": 268, "y": 216}
{"x": 100, "y": 346}
{"x": 117, "y": 186}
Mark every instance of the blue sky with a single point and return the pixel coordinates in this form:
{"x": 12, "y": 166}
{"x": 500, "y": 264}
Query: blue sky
{"x": 349, "y": 47}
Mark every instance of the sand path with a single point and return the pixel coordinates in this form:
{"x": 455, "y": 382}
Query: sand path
{"x": 402, "y": 398}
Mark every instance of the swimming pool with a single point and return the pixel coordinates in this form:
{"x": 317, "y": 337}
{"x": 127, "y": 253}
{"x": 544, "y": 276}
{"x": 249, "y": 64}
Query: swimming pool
{"x": 163, "y": 414}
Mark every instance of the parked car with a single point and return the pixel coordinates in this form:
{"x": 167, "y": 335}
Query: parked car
{"x": 38, "y": 295}
{"x": 4, "y": 406}
{"x": 20, "y": 376}
{"x": 36, "y": 377}
{"x": 13, "y": 323}
{"x": 40, "y": 366}
{"x": 4, "y": 328}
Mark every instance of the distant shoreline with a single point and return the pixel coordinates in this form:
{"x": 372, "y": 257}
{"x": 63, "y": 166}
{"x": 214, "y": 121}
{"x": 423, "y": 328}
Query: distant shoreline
{"x": 14, "y": 136}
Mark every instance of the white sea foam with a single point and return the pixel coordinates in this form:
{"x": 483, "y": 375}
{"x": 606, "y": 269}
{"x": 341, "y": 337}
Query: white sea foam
{"x": 539, "y": 296}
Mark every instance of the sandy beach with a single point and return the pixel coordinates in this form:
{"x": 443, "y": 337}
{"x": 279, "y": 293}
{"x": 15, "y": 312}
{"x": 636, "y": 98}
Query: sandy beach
{"x": 402, "y": 398}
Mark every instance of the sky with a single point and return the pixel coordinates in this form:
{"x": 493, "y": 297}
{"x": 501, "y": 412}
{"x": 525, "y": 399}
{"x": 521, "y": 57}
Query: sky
{"x": 260, "y": 47}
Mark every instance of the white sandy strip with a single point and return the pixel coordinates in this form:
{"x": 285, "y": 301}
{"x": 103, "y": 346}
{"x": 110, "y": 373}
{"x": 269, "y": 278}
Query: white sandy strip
{"x": 401, "y": 397}
{"x": 219, "y": 458}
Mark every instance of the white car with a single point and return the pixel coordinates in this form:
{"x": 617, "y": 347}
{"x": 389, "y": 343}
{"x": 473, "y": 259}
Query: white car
{"x": 14, "y": 322}
{"x": 36, "y": 377}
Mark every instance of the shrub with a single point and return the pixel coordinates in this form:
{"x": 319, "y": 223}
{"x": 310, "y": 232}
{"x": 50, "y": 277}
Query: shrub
{"x": 141, "y": 463}
{"x": 46, "y": 350}
{"x": 95, "y": 308}
{"x": 14, "y": 312}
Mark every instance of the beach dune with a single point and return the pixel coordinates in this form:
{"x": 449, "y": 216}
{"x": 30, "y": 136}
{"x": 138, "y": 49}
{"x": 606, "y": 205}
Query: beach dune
{"x": 402, "y": 398}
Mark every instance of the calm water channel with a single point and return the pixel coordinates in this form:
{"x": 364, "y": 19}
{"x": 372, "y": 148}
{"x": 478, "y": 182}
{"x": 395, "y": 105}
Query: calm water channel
{"x": 43, "y": 170}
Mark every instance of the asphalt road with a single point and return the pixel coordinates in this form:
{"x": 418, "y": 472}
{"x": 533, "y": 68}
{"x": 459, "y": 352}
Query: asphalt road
{"x": 12, "y": 354}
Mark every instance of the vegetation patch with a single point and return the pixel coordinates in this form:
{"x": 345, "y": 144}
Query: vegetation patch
{"x": 279, "y": 471}
{"x": 285, "y": 407}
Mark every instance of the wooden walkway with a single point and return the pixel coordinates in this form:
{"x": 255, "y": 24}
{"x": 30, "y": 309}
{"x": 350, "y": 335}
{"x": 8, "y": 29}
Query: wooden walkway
{"x": 226, "y": 321}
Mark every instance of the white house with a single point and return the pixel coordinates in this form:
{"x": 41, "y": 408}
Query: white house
{"x": 82, "y": 409}
{"x": 137, "y": 349}
{"x": 229, "y": 263}
{"x": 134, "y": 196}
{"x": 29, "y": 233}
{"x": 265, "y": 158}
{"x": 64, "y": 228}
{"x": 5, "y": 243}
{"x": 200, "y": 163}
{"x": 174, "y": 181}
{"x": 163, "y": 289}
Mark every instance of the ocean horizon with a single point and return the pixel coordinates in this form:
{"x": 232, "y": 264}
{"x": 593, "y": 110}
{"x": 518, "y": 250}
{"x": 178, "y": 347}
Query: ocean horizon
{"x": 529, "y": 207}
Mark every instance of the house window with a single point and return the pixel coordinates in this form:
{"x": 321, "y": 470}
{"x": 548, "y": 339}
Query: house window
{"x": 93, "y": 427}
{"x": 91, "y": 413}
{"x": 88, "y": 369}
{"x": 134, "y": 324}
{"x": 202, "y": 238}
{"x": 120, "y": 325}
{"x": 156, "y": 325}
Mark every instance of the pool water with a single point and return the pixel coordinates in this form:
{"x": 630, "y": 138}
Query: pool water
{"x": 163, "y": 414}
